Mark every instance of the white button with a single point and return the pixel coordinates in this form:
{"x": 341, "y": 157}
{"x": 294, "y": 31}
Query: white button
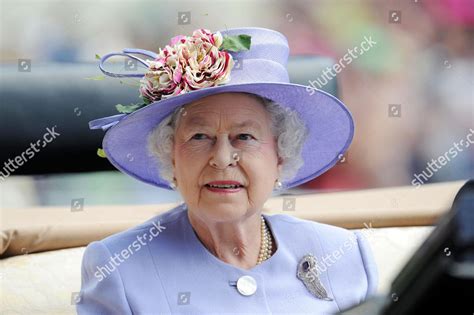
{"x": 246, "y": 285}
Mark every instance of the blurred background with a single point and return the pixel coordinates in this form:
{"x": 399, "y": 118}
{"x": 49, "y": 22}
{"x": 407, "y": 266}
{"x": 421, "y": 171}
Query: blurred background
{"x": 411, "y": 94}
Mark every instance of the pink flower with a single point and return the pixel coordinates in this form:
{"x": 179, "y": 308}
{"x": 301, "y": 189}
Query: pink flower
{"x": 188, "y": 63}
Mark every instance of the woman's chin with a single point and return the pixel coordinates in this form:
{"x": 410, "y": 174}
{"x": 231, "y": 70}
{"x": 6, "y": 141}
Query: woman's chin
{"x": 223, "y": 211}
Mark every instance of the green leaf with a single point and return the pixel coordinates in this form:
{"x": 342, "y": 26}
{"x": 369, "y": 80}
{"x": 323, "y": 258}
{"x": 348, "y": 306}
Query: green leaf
{"x": 236, "y": 43}
{"x": 127, "y": 109}
{"x": 97, "y": 56}
{"x": 97, "y": 78}
{"x": 145, "y": 100}
{"x": 101, "y": 153}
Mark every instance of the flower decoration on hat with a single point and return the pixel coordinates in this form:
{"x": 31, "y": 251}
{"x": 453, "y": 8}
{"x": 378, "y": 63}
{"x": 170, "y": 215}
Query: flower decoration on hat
{"x": 188, "y": 63}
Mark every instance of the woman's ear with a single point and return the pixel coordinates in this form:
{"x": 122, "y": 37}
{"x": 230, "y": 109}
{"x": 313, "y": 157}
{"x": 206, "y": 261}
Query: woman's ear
{"x": 280, "y": 166}
{"x": 172, "y": 156}
{"x": 174, "y": 167}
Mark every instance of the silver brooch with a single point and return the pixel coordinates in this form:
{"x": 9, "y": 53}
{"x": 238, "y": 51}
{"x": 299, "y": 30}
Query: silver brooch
{"x": 308, "y": 274}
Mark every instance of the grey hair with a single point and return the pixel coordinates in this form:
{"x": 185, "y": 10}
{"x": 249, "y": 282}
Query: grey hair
{"x": 288, "y": 128}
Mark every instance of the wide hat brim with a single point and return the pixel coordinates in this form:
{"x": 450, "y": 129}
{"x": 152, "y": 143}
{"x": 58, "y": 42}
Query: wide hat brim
{"x": 329, "y": 123}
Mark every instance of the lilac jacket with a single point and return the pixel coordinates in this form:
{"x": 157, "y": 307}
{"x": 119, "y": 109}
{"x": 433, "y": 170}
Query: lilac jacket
{"x": 161, "y": 267}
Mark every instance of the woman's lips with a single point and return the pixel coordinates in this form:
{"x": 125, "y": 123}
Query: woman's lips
{"x": 223, "y": 190}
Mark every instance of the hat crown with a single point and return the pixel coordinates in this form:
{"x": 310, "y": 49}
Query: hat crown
{"x": 266, "y": 59}
{"x": 266, "y": 44}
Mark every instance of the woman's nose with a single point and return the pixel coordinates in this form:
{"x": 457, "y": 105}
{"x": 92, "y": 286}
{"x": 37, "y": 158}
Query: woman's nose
{"x": 223, "y": 153}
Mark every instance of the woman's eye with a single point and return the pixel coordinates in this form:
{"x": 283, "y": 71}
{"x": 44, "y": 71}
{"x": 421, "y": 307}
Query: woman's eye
{"x": 244, "y": 136}
{"x": 198, "y": 136}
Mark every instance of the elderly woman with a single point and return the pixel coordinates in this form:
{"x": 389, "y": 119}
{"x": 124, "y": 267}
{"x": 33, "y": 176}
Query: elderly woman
{"x": 225, "y": 138}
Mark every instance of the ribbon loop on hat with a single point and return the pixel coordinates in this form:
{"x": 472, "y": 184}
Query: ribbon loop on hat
{"x": 148, "y": 53}
{"x": 106, "y": 122}
{"x": 127, "y": 53}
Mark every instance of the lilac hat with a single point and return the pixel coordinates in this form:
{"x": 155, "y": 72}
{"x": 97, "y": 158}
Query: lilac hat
{"x": 250, "y": 60}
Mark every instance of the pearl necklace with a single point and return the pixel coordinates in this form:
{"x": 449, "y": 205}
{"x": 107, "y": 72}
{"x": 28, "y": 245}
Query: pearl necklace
{"x": 266, "y": 245}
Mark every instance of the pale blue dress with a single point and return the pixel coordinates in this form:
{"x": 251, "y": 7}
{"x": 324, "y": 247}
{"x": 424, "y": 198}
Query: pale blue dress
{"x": 161, "y": 267}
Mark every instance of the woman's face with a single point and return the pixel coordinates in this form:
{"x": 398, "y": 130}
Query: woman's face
{"x": 209, "y": 133}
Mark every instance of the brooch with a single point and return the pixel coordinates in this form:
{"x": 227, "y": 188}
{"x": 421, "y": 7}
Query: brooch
{"x": 308, "y": 274}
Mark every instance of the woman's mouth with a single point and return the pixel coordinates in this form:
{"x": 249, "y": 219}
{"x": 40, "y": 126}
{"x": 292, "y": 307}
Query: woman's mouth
{"x": 225, "y": 188}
